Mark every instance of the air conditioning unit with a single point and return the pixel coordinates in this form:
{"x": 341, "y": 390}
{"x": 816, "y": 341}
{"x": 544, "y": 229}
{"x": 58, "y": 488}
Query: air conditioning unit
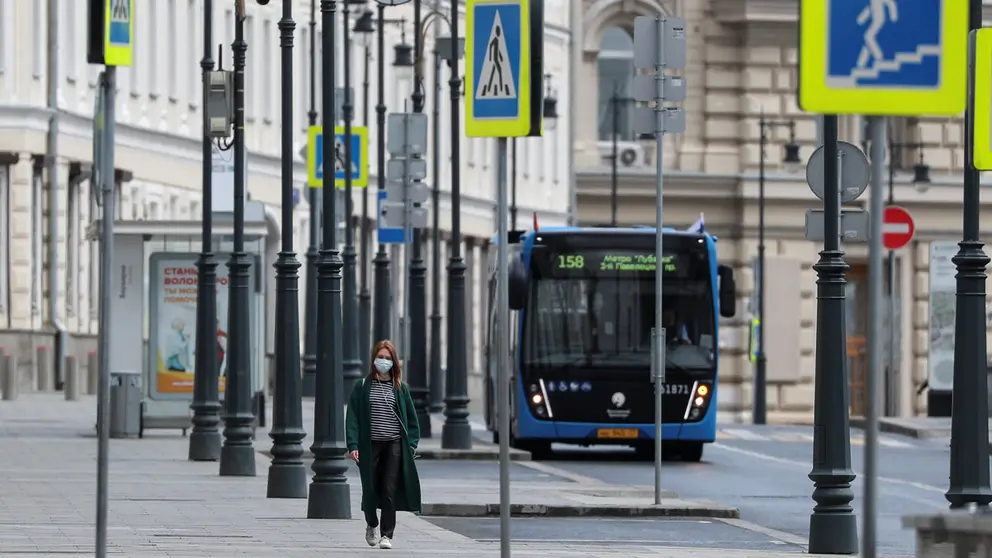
{"x": 629, "y": 154}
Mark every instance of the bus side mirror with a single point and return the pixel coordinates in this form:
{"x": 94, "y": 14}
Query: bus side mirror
{"x": 728, "y": 291}
{"x": 517, "y": 284}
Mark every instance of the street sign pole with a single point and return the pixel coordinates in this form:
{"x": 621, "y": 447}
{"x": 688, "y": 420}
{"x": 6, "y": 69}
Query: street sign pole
{"x": 659, "y": 44}
{"x": 406, "y": 196}
{"x": 876, "y": 294}
{"x": 504, "y": 99}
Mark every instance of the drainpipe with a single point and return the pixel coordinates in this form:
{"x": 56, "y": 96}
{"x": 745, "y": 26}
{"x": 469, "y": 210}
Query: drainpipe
{"x": 52, "y": 162}
{"x": 574, "y": 21}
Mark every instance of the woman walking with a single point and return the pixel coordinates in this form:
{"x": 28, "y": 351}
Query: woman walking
{"x": 383, "y": 434}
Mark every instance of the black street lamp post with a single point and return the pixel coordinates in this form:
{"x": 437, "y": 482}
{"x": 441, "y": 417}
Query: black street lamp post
{"x": 330, "y": 496}
{"x": 456, "y": 432}
{"x": 205, "y": 439}
{"x": 287, "y": 475}
{"x": 615, "y": 101}
{"x": 310, "y": 335}
{"x": 436, "y": 378}
{"x": 790, "y": 157}
{"x": 237, "y": 456}
{"x": 363, "y": 30}
{"x": 352, "y": 364}
{"x": 382, "y": 290}
{"x": 416, "y": 351}
{"x": 969, "y": 478}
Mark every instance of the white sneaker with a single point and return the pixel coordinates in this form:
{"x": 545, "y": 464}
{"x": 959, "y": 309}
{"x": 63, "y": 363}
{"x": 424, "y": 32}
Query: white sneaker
{"x": 385, "y": 543}
{"x": 371, "y": 537}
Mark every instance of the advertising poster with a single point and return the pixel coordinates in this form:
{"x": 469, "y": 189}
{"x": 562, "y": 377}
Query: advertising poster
{"x": 173, "y": 325}
{"x": 940, "y": 371}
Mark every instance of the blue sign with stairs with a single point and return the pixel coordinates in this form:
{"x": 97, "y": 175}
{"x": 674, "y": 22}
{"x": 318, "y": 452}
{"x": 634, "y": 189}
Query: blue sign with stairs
{"x": 893, "y": 43}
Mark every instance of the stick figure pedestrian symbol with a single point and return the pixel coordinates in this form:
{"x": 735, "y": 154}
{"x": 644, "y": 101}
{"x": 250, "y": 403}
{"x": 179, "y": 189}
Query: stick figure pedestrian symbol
{"x": 874, "y": 15}
{"x": 496, "y": 60}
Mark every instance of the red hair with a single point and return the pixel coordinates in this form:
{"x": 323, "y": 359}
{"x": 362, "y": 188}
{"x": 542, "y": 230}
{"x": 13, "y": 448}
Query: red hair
{"x": 396, "y": 370}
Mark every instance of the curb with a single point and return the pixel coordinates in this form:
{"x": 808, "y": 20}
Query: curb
{"x": 579, "y": 510}
{"x": 888, "y": 427}
{"x": 433, "y": 454}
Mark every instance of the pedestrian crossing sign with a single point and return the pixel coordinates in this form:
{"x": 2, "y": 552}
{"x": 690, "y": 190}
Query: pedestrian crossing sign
{"x": 504, "y": 45}
{"x": 111, "y": 32}
{"x": 883, "y": 57}
{"x": 981, "y": 83}
{"x": 356, "y": 165}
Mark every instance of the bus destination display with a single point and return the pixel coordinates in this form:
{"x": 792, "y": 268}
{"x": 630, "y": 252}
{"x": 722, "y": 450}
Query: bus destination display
{"x": 615, "y": 262}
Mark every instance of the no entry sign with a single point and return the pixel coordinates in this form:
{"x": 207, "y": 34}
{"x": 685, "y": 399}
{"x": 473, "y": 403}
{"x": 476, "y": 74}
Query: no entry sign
{"x": 897, "y": 227}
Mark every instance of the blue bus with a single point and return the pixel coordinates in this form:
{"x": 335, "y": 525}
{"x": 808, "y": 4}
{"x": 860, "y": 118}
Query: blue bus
{"x": 582, "y": 304}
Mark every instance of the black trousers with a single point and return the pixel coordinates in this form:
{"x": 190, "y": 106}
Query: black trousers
{"x": 386, "y": 459}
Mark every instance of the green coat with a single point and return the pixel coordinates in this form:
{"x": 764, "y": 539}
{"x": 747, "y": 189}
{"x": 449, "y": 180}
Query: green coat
{"x": 359, "y": 433}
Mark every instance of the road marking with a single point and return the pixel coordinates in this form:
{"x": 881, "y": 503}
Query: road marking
{"x": 741, "y": 434}
{"x": 782, "y": 536}
{"x": 806, "y": 465}
{"x": 800, "y": 437}
{"x": 561, "y": 473}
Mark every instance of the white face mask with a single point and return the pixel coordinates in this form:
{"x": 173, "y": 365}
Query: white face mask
{"x": 383, "y": 365}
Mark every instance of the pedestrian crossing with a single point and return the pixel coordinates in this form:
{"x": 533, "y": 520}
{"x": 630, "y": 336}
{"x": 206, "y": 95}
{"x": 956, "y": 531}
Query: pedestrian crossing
{"x": 792, "y": 436}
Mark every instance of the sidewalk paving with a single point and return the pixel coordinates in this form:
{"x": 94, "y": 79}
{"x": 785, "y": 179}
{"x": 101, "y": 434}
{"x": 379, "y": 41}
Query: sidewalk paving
{"x": 163, "y": 505}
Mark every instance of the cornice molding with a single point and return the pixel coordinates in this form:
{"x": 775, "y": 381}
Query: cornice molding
{"x": 756, "y": 12}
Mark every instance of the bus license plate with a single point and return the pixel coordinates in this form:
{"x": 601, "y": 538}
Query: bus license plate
{"x": 616, "y": 433}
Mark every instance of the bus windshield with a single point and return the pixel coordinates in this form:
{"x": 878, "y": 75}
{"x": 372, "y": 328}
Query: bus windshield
{"x": 601, "y": 315}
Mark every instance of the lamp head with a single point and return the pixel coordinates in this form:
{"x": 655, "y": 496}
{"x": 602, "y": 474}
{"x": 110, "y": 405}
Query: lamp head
{"x": 403, "y": 59}
{"x": 921, "y": 177}
{"x": 791, "y": 156}
{"x": 550, "y": 113}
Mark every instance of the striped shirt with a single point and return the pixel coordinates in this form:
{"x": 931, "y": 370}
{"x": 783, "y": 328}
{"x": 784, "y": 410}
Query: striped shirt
{"x": 384, "y": 419}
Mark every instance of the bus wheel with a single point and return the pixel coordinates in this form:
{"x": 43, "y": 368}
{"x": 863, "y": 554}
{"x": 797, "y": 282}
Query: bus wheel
{"x": 692, "y": 452}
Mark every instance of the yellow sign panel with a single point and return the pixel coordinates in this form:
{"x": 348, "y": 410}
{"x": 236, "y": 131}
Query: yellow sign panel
{"x": 499, "y": 67}
{"x": 118, "y": 28}
{"x": 981, "y": 114}
{"x": 358, "y": 166}
{"x": 883, "y": 58}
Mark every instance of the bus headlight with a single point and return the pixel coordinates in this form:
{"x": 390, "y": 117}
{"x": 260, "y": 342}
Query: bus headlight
{"x": 539, "y": 400}
{"x": 697, "y": 401}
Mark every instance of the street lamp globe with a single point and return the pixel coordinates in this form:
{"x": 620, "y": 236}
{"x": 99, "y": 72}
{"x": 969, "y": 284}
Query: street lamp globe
{"x": 921, "y": 177}
{"x": 790, "y": 157}
{"x": 403, "y": 60}
{"x": 364, "y": 28}
{"x": 550, "y": 113}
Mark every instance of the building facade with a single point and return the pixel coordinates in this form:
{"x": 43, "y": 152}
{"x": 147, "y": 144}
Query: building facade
{"x": 43, "y": 222}
{"x": 742, "y": 65}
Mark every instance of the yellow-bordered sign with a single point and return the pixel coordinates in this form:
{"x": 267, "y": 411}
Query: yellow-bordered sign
{"x": 981, "y": 84}
{"x": 752, "y": 339}
{"x": 359, "y": 156}
{"x": 883, "y": 58}
{"x": 118, "y": 33}
{"x": 503, "y": 93}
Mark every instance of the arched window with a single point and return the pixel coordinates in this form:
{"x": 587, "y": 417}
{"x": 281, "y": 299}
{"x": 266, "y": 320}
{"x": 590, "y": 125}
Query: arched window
{"x": 616, "y": 77}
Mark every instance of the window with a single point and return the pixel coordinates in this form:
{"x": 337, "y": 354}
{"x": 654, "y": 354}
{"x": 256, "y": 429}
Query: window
{"x": 93, "y": 283}
{"x": 303, "y": 70}
{"x": 5, "y": 241}
{"x": 616, "y": 78}
{"x": 39, "y": 25}
{"x": 174, "y": 46}
{"x": 38, "y": 237}
{"x": 72, "y": 230}
{"x": 266, "y": 56}
{"x": 151, "y": 50}
{"x": 195, "y": 21}
{"x": 68, "y": 51}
